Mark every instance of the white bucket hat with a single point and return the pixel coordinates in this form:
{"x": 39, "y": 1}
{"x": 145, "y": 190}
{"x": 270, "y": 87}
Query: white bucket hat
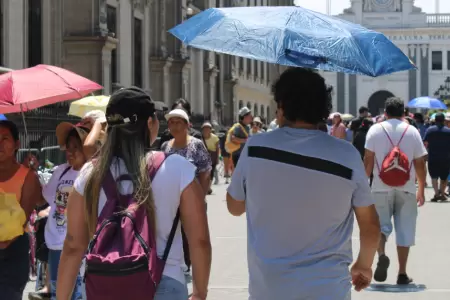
{"x": 177, "y": 113}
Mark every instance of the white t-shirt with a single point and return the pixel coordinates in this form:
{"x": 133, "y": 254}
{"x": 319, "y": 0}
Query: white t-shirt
{"x": 378, "y": 142}
{"x": 56, "y": 193}
{"x": 174, "y": 175}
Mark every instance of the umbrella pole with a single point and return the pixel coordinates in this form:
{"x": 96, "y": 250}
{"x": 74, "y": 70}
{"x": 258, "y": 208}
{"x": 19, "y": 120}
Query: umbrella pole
{"x": 26, "y": 132}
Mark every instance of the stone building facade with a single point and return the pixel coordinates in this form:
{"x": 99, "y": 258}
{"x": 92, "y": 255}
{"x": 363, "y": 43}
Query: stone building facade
{"x": 125, "y": 42}
{"x": 425, "y": 38}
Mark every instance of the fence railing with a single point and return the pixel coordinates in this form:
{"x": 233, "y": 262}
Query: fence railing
{"x": 438, "y": 20}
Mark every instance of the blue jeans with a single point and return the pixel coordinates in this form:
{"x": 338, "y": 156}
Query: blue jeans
{"x": 53, "y": 264}
{"x": 171, "y": 289}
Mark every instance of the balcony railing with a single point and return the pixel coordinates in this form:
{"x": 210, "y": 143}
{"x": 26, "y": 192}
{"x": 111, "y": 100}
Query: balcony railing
{"x": 438, "y": 20}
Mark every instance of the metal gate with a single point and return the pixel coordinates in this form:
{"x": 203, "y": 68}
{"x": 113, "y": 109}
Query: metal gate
{"x": 41, "y": 126}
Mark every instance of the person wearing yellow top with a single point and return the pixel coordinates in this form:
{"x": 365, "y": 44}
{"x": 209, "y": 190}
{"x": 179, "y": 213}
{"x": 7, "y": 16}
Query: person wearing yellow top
{"x": 212, "y": 144}
{"x": 16, "y": 205}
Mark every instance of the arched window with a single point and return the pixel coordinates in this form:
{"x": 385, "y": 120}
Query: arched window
{"x": 261, "y": 111}
{"x": 268, "y": 116}
{"x": 241, "y": 104}
{"x": 249, "y": 105}
{"x": 255, "y": 110}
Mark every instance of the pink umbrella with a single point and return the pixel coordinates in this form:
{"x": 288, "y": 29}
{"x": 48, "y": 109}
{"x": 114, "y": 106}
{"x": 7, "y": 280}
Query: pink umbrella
{"x": 31, "y": 88}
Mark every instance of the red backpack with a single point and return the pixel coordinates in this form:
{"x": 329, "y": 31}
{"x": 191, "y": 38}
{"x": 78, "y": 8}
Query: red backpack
{"x": 396, "y": 167}
{"x": 122, "y": 261}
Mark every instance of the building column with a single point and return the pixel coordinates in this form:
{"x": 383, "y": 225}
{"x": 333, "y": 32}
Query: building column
{"x": 340, "y": 107}
{"x": 185, "y": 77}
{"x": 197, "y": 91}
{"x": 352, "y": 97}
{"x": 424, "y": 72}
{"x": 224, "y": 66}
{"x": 166, "y": 82}
{"x": 110, "y": 44}
{"x": 146, "y": 50}
{"x": 125, "y": 49}
{"x": 212, "y": 92}
{"x": 47, "y": 48}
{"x": 412, "y": 73}
{"x": 347, "y": 95}
{"x": 418, "y": 73}
{"x": 14, "y": 30}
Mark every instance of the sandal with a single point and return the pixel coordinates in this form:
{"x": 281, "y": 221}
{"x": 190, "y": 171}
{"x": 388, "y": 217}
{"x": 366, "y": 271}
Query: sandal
{"x": 436, "y": 198}
{"x": 382, "y": 268}
{"x": 403, "y": 279}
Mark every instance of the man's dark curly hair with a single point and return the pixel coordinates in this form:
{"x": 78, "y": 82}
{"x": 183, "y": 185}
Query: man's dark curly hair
{"x": 303, "y": 96}
{"x": 394, "y": 107}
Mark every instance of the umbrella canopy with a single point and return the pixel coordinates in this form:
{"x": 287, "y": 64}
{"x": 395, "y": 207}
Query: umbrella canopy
{"x": 427, "y": 102}
{"x": 41, "y": 85}
{"x": 293, "y": 36}
{"x": 3, "y": 118}
{"x": 347, "y": 117}
{"x": 81, "y": 107}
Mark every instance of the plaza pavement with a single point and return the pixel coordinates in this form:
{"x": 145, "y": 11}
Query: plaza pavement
{"x": 429, "y": 262}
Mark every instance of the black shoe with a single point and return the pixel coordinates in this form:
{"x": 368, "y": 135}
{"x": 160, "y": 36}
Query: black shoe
{"x": 435, "y": 198}
{"x": 403, "y": 279}
{"x": 382, "y": 268}
{"x": 39, "y": 296}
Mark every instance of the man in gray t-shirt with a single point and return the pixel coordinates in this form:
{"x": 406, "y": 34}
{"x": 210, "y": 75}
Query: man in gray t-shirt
{"x": 300, "y": 222}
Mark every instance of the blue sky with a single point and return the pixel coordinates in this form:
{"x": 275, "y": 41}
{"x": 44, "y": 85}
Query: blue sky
{"x": 337, "y": 6}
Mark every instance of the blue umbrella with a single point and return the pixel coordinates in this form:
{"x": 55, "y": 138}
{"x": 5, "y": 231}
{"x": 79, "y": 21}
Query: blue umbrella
{"x": 293, "y": 36}
{"x": 427, "y": 102}
{"x": 2, "y": 117}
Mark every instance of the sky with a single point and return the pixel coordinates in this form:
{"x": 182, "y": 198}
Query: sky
{"x": 337, "y": 6}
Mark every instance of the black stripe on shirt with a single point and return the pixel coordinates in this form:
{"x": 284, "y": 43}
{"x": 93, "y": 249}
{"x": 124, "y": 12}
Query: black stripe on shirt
{"x": 307, "y": 162}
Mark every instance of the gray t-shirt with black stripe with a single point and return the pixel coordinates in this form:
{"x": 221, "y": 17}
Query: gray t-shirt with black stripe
{"x": 300, "y": 187}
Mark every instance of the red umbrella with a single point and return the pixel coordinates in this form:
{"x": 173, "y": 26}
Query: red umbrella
{"x": 41, "y": 85}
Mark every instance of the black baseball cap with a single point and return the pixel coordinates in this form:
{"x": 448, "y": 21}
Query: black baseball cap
{"x": 129, "y": 106}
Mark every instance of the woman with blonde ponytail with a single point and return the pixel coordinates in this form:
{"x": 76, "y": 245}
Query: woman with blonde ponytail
{"x": 132, "y": 127}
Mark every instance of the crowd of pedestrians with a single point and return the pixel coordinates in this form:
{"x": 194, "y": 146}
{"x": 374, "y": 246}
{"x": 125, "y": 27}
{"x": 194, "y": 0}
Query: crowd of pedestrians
{"x": 299, "y": 246}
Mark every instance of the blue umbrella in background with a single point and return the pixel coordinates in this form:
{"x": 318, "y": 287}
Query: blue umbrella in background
{"x": 427, "y": 102}
{"x": 2, "y": 117}
{"x": 293, "y": 36}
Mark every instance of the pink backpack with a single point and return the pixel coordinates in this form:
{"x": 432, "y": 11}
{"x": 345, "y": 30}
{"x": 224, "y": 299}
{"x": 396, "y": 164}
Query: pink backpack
{"x": 122, "y": 261}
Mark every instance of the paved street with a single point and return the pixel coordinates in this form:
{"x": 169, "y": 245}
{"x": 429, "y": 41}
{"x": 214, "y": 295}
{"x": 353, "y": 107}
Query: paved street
{"x": 429, "y": 260}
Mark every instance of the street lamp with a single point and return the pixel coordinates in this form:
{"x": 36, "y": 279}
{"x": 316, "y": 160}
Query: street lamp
{"x": 443, "y": 92}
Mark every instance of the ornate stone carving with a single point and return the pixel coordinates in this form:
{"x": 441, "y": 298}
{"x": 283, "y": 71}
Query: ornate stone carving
{"x": 164, "y": 53}
{"x": 424, "y": 50}
{"x": 382, "y": 5}
{"x": 412, "y": 50}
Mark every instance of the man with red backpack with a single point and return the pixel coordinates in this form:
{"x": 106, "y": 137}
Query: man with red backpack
{"x": 396, "y": 155}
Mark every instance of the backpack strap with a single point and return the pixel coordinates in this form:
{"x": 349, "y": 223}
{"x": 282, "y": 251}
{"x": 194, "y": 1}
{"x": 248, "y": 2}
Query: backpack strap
{"x": 109, "y": 186}
{"x": 403, "y": 134}
{"x": 65, "y": 172}
{"x": 390, "y": 140}
{"x": 155, "y": 160}
{"x": 171, "y": 236}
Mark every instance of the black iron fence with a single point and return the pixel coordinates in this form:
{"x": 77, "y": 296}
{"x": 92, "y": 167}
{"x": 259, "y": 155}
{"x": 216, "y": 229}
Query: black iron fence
{"x": 41, "y": 124}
